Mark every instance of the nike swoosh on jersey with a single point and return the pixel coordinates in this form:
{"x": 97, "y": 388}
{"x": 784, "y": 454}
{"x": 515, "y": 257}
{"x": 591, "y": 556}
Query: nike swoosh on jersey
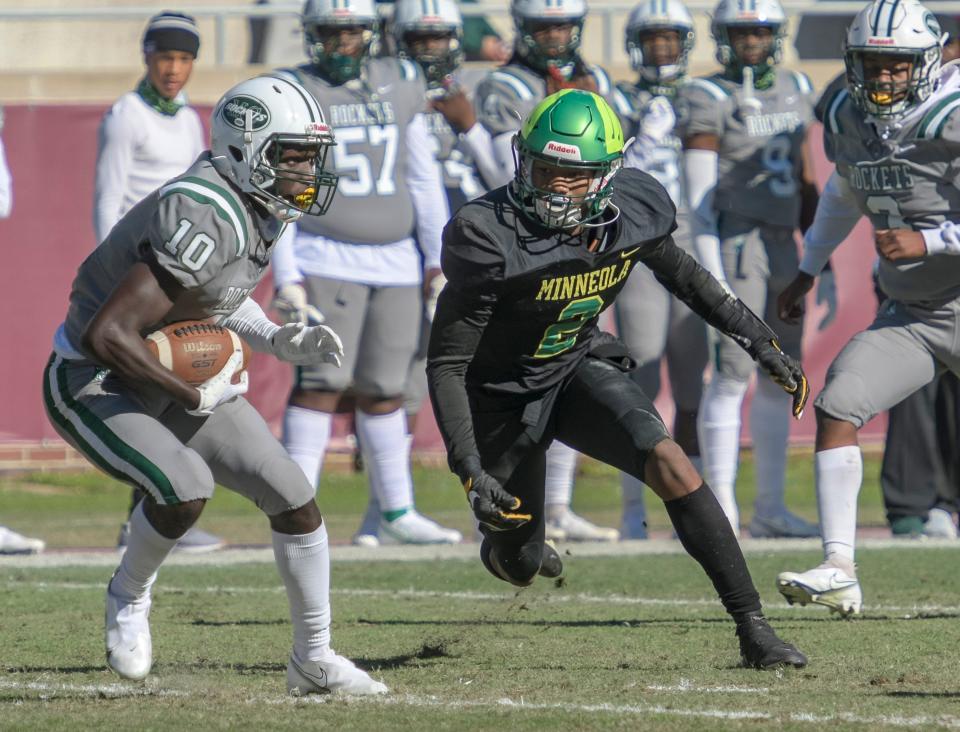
{"x": 624, "y": 255}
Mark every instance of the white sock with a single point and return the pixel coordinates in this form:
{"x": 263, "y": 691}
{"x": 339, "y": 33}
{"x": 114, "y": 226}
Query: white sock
{"x": 386, "y": 453}
{"x": 718, "y": 430}
{"x": 304, "y": 564}
{"x": 634, "y": 500}
{"x": 146, "y": 550}
{"x": 770, "y": 429}
{"x": 839, "y": 472}
{"x": 306, "y": 433}
{"x": 558, "y": 483}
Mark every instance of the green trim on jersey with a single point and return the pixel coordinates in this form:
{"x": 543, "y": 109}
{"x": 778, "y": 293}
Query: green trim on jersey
{"x": 56, "y": 371}
{"x": 222, "y": 201}
{"x": 933, "y": 122}
{"x": 832, "y": 120}
{"x": 518, "y": 84}
{"x": 717, "y": 91}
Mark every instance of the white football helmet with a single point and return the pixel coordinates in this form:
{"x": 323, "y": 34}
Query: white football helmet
{"x": 893, "y": 28}
{"x": 252, "y": 124}
{"x": 527, "y": 14}
{"x": 652, "y": 15}
{"x": 324, "y": 14}
{"x": 732, "y": 13}
{"x": 430, "y": 16}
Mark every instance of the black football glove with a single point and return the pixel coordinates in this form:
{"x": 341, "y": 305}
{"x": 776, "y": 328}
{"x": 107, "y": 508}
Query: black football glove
{"x": 492, "y": 505}
{"x": 784, "y": 370}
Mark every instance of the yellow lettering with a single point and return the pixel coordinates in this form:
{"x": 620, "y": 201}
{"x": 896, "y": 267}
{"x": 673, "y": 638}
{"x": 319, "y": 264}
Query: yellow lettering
{"x": 581, "y": 288}
{"x": 546, "y": 287}
{"x": 604, "y": 282}
{"x": 566, "y": 289}
{"x": 593, "y": 281}
{"x": 624, "y": 272}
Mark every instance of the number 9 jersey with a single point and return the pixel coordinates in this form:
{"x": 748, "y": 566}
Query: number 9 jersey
{"x": 761, "y": 134}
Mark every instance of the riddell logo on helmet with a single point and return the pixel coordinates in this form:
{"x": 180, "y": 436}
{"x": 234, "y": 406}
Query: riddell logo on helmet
{"x": 235, "y": 113}
{"x": 570, "y": 152}
{"x": 880, "y": 41}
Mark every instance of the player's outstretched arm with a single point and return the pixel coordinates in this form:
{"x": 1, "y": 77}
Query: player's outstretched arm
{"x": 112, "y": 338}
{"x": 682, "y": 275}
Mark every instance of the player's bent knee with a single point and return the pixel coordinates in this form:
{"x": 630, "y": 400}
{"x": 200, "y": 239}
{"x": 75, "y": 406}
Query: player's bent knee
{"x": 286, "y": 488}
{"x": 669, "y": 472}
{"x": 190, "y": 479}
{"x": 845, "y": 398}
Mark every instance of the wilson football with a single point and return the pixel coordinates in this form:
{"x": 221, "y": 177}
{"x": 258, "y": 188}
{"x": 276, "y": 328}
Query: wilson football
{"x": 195, "y": 350}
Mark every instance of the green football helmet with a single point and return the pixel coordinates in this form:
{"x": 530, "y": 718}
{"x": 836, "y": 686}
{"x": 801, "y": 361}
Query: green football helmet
{"x": 579, "y": 132}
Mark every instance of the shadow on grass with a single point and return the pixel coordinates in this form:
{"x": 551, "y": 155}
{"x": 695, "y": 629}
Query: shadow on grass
{"x": 925, "y": 694}
{"x": 426, "y": 652}
{"x": 239, "y": 623}
{"x": 55, "y": 669}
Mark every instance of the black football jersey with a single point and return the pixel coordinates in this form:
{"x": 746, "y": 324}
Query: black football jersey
{"x": 540, "y": 291}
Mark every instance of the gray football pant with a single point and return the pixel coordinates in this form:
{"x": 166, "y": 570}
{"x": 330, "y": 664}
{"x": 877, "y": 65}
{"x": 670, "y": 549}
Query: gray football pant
{"x": 904, "y": 349}
{"x": 759, "y": 261}
{"x": 147, "y": 440}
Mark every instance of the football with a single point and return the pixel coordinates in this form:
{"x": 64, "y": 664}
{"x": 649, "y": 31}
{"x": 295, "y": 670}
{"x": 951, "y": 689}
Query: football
{"x": 195, "y": 350}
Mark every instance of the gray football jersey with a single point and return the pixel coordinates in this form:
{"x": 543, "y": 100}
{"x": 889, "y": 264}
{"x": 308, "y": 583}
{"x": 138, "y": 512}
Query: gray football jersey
{"x": 369, "y": 117}
{"x": 665, "y": 161}
{"x": 461, "y": 180}
{"x": 200, "y": 231}
{"x": 509, "y": 93}
{"x": 761, "y": 141}
{"x": 907, "y": 181}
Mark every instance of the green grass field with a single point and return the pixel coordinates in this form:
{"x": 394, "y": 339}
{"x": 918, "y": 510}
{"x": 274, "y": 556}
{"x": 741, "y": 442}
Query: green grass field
{"x": 634, "y": 642}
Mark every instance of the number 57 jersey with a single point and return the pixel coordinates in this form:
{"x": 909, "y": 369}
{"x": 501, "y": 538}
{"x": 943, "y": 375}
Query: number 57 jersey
{"x": 369, "y": 117}
{"x": 761, "y": 134}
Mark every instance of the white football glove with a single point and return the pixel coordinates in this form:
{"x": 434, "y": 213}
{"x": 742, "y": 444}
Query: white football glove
{"x": 217, "y": 389}
{"x": 291, "y": 302}
{"x": 827, "y": 295}
{"x": 659, "y": 119}
{"x": 301, "y": 344}
{"x": 434, "y": 287}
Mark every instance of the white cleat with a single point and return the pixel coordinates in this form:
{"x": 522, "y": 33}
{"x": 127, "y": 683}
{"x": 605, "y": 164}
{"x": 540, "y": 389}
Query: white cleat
{"x": 13, "y": 543}
{"x": 829, "y": 585}
{"x": 568, "y": 526}
{"x": 129, "y": 648}
{"x": 784, "y": 525}
{"x": 371, "y": 541}
{"x": 333, "y": 675}
{"x": 939, "y": 525}
{"x": 415, "y": 528}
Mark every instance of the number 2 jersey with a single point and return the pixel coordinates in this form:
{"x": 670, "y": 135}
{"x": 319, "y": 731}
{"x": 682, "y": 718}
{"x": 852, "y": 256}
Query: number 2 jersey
{"x": 906, "y": 176}
{"x": 761, "y": 141}
{"x": 536, "y": 293}
{"x": 196, "y": 231}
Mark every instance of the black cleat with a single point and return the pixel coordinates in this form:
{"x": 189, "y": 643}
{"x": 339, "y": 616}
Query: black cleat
{"x": 551, "y": 565}
{"x": 761, "y": 648}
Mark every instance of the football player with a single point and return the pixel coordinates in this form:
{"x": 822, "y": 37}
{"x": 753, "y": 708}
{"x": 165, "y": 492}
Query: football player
{"x": 359, "y": 267}
{"x": 653, "y": 324}
{"x": 749, "y": 190}
{"x": 894, "y": 135}
{"x": 195, "y": 249}
{"x": 546, "y": 58}
{"x": 516, "y": 359}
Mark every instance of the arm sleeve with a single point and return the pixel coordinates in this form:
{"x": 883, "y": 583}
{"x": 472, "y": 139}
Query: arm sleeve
{"x": 700, "y": 167}
{"x": 837, "y": 214}
{"x": 284, "y": 259}
{"x": 502, "y": 147}
{"x": 473, "y": 269}
{"x": 425, "y": 181}
{"x": 6, "y": 186}
{"x": 117, "y": 140}
{"x": 478, "y": 142}
{"x": 252, "y": 324}
{"x": 683, "y": 276}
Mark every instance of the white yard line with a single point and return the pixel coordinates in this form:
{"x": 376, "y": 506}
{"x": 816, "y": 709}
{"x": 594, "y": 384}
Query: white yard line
{"x": 48, "y": 691}
{"x": 347, "y": 553}
{"x": 552, "y": 598}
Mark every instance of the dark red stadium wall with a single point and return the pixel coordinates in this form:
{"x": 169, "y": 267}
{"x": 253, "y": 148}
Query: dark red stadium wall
{"x": 51, "y": 151}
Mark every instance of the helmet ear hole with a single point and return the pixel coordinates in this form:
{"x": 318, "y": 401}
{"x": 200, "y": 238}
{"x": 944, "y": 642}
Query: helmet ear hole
{"x": 236, "y": 152}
